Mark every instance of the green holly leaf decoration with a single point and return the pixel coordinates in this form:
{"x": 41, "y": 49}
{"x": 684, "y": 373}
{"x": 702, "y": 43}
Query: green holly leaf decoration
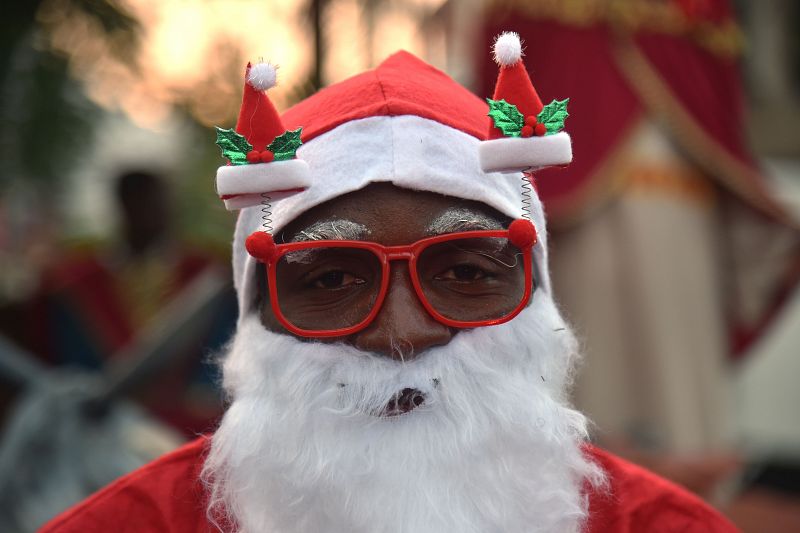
{"x": 286, "y": 144}
{"x": 553, "y": 116}
{"x": 507, "y": 117}
{"x": 233, "y": 145}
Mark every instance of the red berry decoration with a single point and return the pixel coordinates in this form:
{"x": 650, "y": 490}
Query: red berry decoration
{"x": 253, "y": 156}
{"x": 267, "y": 156}
{"x": 531, "y": 121}
{"x": 526, "y": 131}
{"x": 260, "y": 245}
{"x": 522, "y": 233}
{"x": 540, "y": 130}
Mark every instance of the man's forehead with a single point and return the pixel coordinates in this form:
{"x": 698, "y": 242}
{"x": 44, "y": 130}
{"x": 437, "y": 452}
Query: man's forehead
{"x": 450, "y": 221}
{"x": 383, "y": 212}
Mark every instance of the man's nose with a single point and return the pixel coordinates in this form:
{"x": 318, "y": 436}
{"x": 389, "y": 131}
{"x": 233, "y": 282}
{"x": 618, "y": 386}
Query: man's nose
{"x": 403, "y": 329}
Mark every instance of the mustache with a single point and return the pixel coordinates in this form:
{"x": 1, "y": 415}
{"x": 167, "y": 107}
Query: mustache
{"x": 393, "y": 398}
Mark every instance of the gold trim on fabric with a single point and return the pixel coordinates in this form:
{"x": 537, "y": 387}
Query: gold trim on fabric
{"x": 724, "y": 38}
{"x": 671, "y": 180}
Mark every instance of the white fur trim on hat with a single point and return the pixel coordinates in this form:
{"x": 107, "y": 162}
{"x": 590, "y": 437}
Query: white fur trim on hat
{"x": 511, "y": 154}
{"x": 254, "y": 179}
{"x": 410, "y": 151}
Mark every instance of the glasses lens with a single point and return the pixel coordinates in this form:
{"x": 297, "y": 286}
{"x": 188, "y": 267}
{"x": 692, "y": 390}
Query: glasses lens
{"x": 327, "y": 288}
{"x": 471, "y": 280}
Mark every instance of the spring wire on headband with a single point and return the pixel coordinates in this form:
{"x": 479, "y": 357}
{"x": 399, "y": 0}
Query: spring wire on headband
{"x": 526, "y": 195}
{"x": 266, "y": 212}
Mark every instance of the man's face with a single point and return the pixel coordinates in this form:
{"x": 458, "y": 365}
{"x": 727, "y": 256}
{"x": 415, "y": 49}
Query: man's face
{"x": 492, "y": 446}
{"x": 389, "y": 215}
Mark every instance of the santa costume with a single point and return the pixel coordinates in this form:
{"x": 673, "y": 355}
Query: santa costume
{"x": 496, "y": 447}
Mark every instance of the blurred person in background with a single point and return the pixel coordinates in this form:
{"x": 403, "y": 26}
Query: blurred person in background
{"x": 135, "y": 319}
{"x": 93, "y": 302}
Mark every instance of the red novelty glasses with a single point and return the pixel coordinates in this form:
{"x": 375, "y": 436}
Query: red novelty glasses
{"x": 334, "y": 288}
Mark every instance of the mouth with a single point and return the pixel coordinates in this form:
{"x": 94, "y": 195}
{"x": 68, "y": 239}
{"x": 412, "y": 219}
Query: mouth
{"x": 403, "y": 402}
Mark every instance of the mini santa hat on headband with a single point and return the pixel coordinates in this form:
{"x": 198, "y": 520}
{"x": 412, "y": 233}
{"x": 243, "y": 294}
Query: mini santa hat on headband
{"x": 524, "y": 135}
{"x": 261, "y": 152}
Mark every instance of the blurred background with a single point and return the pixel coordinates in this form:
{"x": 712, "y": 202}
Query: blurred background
{"x": 675, "y": 242}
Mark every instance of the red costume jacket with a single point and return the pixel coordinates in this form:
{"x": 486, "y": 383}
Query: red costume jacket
{"x": 166, "y": 496}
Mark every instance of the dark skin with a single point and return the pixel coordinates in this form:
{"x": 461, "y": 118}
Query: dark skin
{"x": 144, "y": 199}
{"x": 402, "y": 329}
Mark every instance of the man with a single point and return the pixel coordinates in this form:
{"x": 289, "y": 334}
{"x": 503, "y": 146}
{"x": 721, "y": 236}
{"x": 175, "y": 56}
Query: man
{"x": 399, "y": 363}
{"x": 93, "y": 303}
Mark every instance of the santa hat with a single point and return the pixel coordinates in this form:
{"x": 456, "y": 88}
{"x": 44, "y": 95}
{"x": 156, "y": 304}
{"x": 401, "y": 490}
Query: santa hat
{"x": 261, "y": 153}
{"x": 406, "y": 123}
{"x": 524, "y": 135}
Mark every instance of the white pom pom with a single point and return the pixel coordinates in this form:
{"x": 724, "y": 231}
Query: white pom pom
{"x": 263, "y": 76}
{"x": 507, "y": 49}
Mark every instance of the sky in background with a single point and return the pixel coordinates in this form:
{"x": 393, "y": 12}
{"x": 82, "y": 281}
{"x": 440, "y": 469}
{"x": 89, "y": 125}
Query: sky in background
{"x": 196, "y": 50}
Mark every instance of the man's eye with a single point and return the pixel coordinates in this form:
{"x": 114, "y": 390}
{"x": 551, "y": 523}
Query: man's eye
{"x": 335, "y": 279}
{"x": 465, "y": 272}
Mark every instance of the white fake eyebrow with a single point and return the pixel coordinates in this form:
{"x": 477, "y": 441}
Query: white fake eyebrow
{"x": 462, "y": 219}
{"x": 336, "y": 229}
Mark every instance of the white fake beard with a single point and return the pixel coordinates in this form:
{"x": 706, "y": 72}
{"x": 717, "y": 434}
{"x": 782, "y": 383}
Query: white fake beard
{"x": 494, "y": 447}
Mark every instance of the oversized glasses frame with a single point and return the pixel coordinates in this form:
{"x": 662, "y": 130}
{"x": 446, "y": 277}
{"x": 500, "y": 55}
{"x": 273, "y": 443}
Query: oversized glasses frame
{"x": 523, "y": 240}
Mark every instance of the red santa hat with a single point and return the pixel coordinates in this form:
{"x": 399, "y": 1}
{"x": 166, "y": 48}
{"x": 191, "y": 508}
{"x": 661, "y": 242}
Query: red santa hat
{"x": 406, "y": 123}
{"x": 524, "y": 135}
{"x": 261, "y": 153}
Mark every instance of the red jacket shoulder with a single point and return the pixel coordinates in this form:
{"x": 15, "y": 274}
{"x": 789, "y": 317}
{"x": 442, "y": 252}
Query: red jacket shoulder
{"x": 167, "y": 496}
{"x": 637, "y": 500}
{"x": 164, "y": 496}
